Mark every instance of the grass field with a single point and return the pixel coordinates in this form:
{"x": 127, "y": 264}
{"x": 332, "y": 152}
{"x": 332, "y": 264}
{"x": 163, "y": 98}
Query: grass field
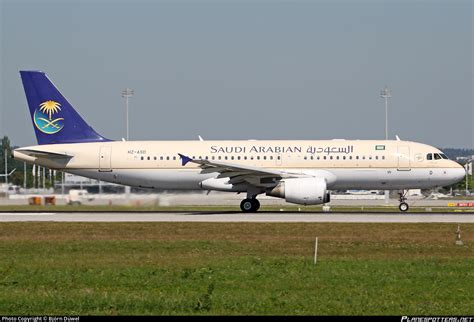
{"x": 233, "y": 269}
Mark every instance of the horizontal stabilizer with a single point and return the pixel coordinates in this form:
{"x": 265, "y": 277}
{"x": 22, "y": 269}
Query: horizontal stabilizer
{"x": 42, "y": 154}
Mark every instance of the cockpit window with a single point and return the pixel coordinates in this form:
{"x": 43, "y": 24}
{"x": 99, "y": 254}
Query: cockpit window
{"x": 444, "y": 156}
{"x": 429, "y": 156}
{"x": 437, "y": 156}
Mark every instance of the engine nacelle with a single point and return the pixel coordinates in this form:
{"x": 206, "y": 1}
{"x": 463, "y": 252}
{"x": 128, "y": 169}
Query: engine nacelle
{"x": 221, "y": 184}
{"x": 303, "y": 191}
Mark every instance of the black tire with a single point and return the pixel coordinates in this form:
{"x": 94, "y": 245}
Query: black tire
{"x": 247, "y": 205}
{"x": 256, "y": 204}
{"x": 403, "y": 207}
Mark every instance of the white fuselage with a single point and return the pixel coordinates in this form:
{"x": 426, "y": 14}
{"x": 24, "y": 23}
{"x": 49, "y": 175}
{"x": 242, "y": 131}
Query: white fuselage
{"x": 344, "y": 164}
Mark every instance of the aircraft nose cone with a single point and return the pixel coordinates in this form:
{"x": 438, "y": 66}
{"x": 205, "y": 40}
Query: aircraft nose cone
{"x": 459, "y": 173}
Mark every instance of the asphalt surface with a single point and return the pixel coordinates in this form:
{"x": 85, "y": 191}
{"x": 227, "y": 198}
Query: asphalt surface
{"x": 236, "y": 217}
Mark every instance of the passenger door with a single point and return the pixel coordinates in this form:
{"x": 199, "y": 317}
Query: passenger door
{"x": 404, "y": 158}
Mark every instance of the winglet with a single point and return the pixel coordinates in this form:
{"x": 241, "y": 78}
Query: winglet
{"x": 184, "y": 159}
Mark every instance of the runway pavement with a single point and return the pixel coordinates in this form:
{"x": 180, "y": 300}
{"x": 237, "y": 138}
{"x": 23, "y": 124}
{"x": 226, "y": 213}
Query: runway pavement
{"x": 237, "y": 217}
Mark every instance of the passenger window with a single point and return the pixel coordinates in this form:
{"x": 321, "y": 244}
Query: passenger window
{"x": 429, "y": 156}
{"x": 174, "y": 158}
{"x": 258, "y": 157}
{"x": 232, "y": 157}
{"x": 154, "y": 158}
{"x": 337, "y": 157}
{"x": 141, "y": 158}
{"x": 271, "y": 157}
{"x": 225, "y": 157}
{"x": 219, "y": 157}
{"x": 167, "y": 158}
{"x": 161, "y": 158}
{"x": 264, "y": 157}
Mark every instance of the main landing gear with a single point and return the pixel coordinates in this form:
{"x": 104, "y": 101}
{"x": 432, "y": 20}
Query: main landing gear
{"x": 250, "y": 205}
{"x": 403, "y": 205}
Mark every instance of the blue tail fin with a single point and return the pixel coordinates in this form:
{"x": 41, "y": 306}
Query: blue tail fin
{"x": 54, "y": 119}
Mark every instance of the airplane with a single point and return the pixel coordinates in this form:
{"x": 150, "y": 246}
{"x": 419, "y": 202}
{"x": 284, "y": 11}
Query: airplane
{"x": 7, "y": 174}
{"x": 301, "y": 172}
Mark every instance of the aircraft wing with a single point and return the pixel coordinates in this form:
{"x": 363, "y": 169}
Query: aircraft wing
{"x": 237, "y": 173}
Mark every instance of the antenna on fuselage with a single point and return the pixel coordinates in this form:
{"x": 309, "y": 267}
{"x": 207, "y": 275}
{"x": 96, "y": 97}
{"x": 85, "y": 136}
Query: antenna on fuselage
{"x": 398, "y": 139}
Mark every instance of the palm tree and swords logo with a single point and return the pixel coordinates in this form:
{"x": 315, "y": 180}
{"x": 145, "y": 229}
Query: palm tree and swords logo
{"x": 44, "y": 120}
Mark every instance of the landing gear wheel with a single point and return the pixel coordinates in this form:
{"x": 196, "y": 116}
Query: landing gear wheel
{"x": 256, "y": 204}
{"x": 249, "y": 205}
{"x": 403, "y": 207}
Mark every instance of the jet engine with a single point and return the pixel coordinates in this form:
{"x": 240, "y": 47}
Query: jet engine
{"x": 303, "y": 191}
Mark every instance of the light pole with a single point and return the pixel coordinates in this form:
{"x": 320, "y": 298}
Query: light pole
{"x": 386, "y": 94}
{"x": 24, "y": 177}
{"x": 6, "y": 167}
{"x": 468, "y": 167}
{"x": 127, "y": 93}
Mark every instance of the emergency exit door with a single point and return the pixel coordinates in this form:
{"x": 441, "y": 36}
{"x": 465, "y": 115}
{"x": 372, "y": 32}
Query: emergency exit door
{"x": 105, "y": 158}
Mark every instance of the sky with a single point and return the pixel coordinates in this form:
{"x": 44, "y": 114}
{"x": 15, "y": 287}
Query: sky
{"x": 247, "y": 69}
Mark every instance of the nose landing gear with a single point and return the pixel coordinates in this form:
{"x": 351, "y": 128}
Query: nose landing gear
{"x": 403, "y": 205}
{"x": 250, "y": 205}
